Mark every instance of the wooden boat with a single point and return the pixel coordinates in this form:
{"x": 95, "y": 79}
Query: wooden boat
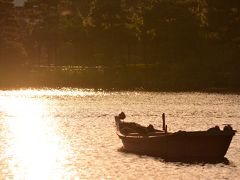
{"x": 196, "y": 145}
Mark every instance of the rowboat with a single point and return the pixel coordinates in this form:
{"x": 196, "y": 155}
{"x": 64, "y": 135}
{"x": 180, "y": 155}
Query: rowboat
{"x": 211, "y": 144}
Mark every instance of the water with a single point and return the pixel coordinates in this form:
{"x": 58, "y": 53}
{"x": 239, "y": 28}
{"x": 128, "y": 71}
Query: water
{"x": 70, "y": 133}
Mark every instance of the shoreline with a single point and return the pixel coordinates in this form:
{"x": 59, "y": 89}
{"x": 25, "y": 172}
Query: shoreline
{"x": 164, "y": 90}
{"x": 149, "y": 79}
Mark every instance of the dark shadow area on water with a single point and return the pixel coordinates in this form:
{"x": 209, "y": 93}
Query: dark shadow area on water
{"x": 184, "y": 161}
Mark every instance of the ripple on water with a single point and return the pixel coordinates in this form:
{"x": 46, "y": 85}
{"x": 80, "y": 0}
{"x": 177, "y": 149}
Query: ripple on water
{"x": 73, "y": 130}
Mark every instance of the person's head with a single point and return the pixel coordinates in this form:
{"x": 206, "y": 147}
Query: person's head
{"x": 122, "y": 115}
{"x": 150, "y": 127}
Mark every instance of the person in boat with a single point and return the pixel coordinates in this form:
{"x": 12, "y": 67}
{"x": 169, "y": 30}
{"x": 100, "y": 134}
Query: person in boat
{"x": 118, "y": 120}
{"x": 150, "y": 128}
{"x": 131, "y": 127}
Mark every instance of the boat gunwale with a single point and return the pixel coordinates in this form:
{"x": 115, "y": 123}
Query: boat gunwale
{"x": 141, "y": 136}
{"x": 179, "y": 133}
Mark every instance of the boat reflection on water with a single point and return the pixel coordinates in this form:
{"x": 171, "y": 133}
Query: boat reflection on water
{"x": 186, "y": 161}
{"x": 34, "y": 148}
{"x": 210, "y": 145}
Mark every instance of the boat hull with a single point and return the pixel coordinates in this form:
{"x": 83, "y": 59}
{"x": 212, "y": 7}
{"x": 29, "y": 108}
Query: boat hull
{"x": 180, "y": 146}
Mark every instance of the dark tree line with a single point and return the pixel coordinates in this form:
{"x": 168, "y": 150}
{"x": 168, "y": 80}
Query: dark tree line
{"x": 11, "y": 47}
{"x": 177, "y": 36}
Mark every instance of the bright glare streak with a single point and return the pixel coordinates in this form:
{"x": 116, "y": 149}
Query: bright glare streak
{"x": 52, "y": 92}
{"x": 36, "y": 151}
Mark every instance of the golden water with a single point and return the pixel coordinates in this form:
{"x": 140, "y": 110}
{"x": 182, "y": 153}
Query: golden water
{"x": 70, "y": 133}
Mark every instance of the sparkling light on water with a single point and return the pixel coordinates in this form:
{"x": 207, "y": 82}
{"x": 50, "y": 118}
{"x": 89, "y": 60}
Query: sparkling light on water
{"x": 34, "y": 150}
{"x": 70, "y": 133}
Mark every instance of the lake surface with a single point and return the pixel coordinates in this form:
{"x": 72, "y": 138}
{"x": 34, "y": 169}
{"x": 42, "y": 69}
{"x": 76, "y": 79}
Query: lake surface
{"x": 70, "y": 133}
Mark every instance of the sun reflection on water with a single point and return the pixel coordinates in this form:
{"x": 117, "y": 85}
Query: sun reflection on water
{"x": 52, "y": 92}
{"x": 35, "y": 149}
